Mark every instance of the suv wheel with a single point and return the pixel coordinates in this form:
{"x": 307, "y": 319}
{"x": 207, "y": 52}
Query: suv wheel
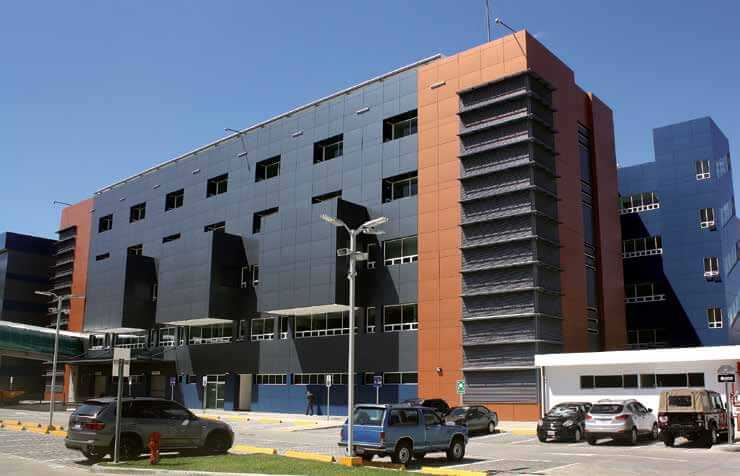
{"x": 577, "y": 435}
{"x": 632, "y": 439}
{"x": 654, "y": 433}
{"x": 456, "y": 451}
{"x": 94, "y": 454}
{"x": 668, "y": 438}
{"x": 217, "y": 443}
{"x": 710, "y": 437}
{"x": 402, "y": 454}
{"x": 130, "y": 447}
{"x": 491, "y": 427}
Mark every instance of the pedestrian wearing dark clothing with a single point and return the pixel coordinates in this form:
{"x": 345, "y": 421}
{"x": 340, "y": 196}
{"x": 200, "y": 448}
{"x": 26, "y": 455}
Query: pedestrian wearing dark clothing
{"x": 310, "y": 401}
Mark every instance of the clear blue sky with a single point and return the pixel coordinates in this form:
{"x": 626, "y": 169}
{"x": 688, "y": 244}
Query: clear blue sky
{"x": 94, "y": 91}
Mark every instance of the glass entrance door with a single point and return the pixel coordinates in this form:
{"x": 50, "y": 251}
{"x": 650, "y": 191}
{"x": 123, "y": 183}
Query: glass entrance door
{"x": 215, "y": 390}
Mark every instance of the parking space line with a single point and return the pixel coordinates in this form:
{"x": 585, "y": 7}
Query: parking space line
{"x": 557, "y": 468}
{"x": 523, "y": 441}
{"x": 493, "y": 435}
{"x": 471, "y": 464}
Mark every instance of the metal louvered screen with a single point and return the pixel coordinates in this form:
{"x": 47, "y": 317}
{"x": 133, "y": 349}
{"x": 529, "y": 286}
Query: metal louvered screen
{"x": 501, "y": 386}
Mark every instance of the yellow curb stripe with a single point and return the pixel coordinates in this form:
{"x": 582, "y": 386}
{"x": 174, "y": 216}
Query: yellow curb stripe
{"x": 268, "y": 421}
{"x": 451, "y": 471}
{"x": 309, "y": 456}
{"x": 246, "y": 449}
{"x": 522, "y": 432}
{"x": 350, "y": 461}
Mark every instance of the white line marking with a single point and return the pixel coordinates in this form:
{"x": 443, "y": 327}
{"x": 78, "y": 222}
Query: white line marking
{"x": 494, "y": 435}
{"x": 477, "y": 462}
{"x": 588, "y": 455}
{"x": 557, "y": 468}
{"x": 523, "y": 441}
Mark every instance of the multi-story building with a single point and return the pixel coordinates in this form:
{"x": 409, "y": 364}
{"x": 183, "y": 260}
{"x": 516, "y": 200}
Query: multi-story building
{"x": 680, "y": 240}
{"x": 498, "y": 176}
{"x": 25, "y": 262}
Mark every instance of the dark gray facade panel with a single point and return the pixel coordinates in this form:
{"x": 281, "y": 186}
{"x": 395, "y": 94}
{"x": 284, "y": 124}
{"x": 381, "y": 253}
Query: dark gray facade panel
{"x": 501, "y": 386}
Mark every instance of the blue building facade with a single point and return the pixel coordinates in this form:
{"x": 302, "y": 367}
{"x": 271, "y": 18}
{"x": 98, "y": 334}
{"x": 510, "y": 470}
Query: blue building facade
{"x": 680, "y": 236}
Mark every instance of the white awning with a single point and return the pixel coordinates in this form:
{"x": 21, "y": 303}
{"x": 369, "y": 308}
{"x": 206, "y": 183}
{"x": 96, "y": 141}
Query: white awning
{"x": 621, "y": 357}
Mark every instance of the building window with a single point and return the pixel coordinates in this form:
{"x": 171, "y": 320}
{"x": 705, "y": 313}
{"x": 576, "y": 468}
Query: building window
{"x": 608, "y": 381}
{"x": 137, "y": 212}
{"x": 270, "y": 379}
{"x": 328, "y": 149}
{"x": 318, "y": 325}
{"x": 217, "y": 185}
{"x": 267, "y": 169}
{"x": 400, "y": 317}
{"x": 169, "y": 238}
{"x": 400, "y": 186}
{"x": 372, "y": 255}
{"x": 263, "y": 328}
{"x": 647, "y": 338}
{"x": 370, "y": 320}
{"x": 105, "y": 223}
{"x": 672, "y": 380}
{"x": 399, "y": 126}
{"x": 213, "y": 334}
{"x": 259, "y": 217}
{"x": 402, "y": 250}
{"x": 319, "y": 378}
{"x": 130, "y": 341}
{"x": 136, "y": 250}
{"x": 642, "y": 292}
{"x": 102, "y": 257}
{"x": 706, "y": 218}
{"x": 245, "y": 276}
{"x": 714, "y": 318}
{"x": 155, "y": 292}
{"x": 711, "y": 268}
{"x": 702, "y": 170}
{"x": 97, "y": 341}
{"x": 639, "y": 202}
{"x": 174, "y": 199}
{"x": 327, "y": 196}
{"x": 400, "y": 378}
{"x": 584, "y": 154}
{"x": 651, "y": 245}
{"x": 167, "y": 337}
{"x": 220, "y": 226}
{"x": 255, "y": 275}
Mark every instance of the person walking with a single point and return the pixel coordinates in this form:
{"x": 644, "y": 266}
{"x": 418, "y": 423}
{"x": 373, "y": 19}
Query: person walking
{"x": 310, "y": 401}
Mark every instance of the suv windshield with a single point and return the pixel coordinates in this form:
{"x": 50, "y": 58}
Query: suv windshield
{"x": 608, "y": 409}
{"x": 368, "y": 416}
{"x": 90, "y": 409}
{"x": 679, "y": 401}
{"x": 559, "y": 410}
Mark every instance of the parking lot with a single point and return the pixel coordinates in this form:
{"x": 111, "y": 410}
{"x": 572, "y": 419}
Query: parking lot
{"x": 498, "y": 454}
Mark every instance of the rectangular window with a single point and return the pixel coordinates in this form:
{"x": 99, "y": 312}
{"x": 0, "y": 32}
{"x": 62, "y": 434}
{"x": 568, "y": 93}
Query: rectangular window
{"x": 263, "y": 329}
{"x": 245, "y": 275}
{"x": 220, "y": 226}
{"x": 402, "y": 250}
{"x": 327, "y": 196}
{"x": 584, "y": 153}
{"x": 259, "y": 217}
{"x": 696, "y": 380}
{"x": 255, "y": 275}
{"x": 630, "y": 381}
{"x": 136, "y": 250}
{"x": 587, "y": 381}
{"x": 372, "y": 255}
{"x": 174, "y": 199}
{"x": 702, "y": 170}
{"x": 400, "y": 378}
{"x": 105, "y": 223}
{"x": 400, "y": 186}
{"x": 168, "y": 336}
{"x": 217, "y": 185}
{"x": 370, "y": 320}
{"x": 400, "y": 317}
{"x": 169, "y": 238}
{"x": 647, "y": 381}
{"x": 267, "y": 169}
{"x": 213, "y": 334}
{"x": 639, "y": 202}
{"x": 270, "y": 379}
{"x": 635, "y": 247}
{"x": 318, "y": 325}
{"x": 609, "y": 381}
{"x": 328, "y": 149}
{"x": 706, "y": 218}
{"x": 714, "y": 317}
{"x": 97, "y": 341}
{"x": 319, "y": 378}
{"x": 642, "y": 292}
{"x": 137, "y": 212}
{"x": 711, "y": 267}
{"x": 102, "y": 257}
{"x": 130, "y": 341}
{"x": 671, "y": 380}
{"x": 399, "y": 126}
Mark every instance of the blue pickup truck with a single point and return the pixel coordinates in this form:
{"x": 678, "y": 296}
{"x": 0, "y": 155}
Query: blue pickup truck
{"x": 403, "y": 432}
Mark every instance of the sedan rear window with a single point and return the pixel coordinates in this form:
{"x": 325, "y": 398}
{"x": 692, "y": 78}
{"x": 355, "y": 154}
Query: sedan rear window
{"x": 679, "y": 401}
{"x": 90, "y": 409}
{"x": 608, "y": 409}
{"x": 368, "y": 416}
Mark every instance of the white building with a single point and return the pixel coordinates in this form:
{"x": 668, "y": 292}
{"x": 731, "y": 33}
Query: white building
{"x": 639, "y": 374}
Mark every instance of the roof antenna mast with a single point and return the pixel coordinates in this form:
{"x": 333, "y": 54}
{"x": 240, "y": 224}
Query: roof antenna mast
{"x": 488, "y": 21}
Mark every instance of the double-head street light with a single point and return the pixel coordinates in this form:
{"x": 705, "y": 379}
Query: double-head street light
{"x": 59, "y": 299}
{"x": 367, "y": 228}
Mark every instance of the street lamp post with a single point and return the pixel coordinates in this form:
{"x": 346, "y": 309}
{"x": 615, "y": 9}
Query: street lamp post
{"x": 59, "y": 299}
{"x": 368, "y": 228}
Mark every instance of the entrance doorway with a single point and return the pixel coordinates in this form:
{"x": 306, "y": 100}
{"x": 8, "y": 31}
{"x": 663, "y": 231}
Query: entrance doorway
{"x": 215, "y": 391}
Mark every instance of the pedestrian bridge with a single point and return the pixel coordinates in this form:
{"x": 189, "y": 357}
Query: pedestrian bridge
{"x": 37, "y": 343}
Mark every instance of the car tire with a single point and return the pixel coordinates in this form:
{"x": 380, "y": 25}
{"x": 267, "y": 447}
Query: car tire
{"x": 402, "y": 453}
{"x": 456, "y": 451}
{"x": 710, "y": 437}
{"x": 542, "y": 437}
{"x": 668, "y": 439}
{"x": 217, "y": 443}
{"x": 130, "y": 447}
{"x": 591, "y": 440}
{"x": 655, "y": 432}
{"x": 578, "y": 435}
{"x": 491, "y": 427}
{"x": 95, "y": 454}
{"x": 633, "y": 437}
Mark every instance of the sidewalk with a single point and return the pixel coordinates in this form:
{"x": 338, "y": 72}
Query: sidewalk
{"x": 297, "y": 420}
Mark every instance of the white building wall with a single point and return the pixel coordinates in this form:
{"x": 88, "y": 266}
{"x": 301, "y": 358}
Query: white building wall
{"x": 563, "y": 383}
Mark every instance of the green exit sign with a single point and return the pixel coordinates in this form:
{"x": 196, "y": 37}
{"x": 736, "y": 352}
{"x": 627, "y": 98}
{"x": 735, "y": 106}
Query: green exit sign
{"x": 460, "y": 385}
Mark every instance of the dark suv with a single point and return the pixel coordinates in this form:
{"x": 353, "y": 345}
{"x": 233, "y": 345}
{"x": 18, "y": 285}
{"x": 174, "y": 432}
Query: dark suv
{"x": 437, "y": 404}
{"x": 92, "y": 428}
{"x": 694, "y": 414}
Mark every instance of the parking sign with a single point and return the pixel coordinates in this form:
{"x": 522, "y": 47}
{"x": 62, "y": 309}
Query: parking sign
{"x": 460, "y": 386}
{"x": 328, "y": 380}
{"x": 378, "y": 380}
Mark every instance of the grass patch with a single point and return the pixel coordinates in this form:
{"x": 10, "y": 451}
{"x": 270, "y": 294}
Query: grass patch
{"x": 252, "y": 464}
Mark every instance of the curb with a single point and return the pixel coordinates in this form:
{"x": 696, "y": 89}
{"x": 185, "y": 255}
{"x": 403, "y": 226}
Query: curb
{"x": 451, "y": 472}
{"x": 309, "y": 456}
{"x": 252, "y": 450}
{"x": 99, "y": 469}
